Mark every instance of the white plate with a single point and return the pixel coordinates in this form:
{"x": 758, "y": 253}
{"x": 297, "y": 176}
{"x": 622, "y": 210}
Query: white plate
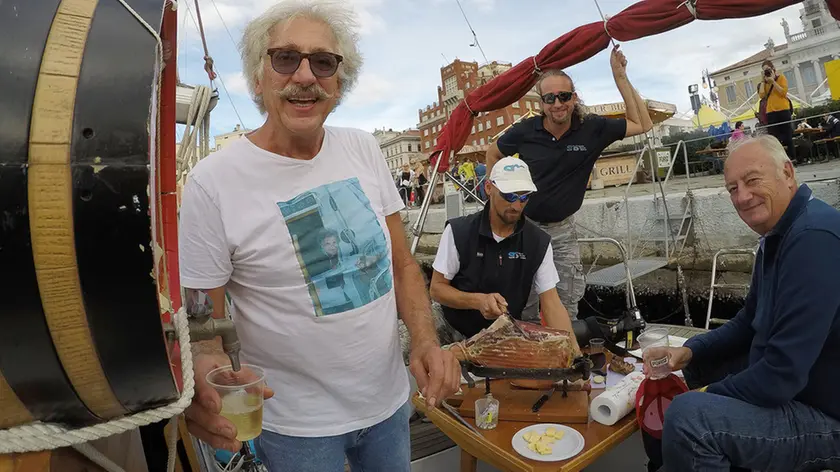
{"x": 562, "y": 449}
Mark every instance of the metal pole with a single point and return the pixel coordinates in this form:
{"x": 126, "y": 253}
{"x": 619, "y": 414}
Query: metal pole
{"x": 627, "y": 198}
{"x": 464, "y": 188}
{"x": 631, "y": 292}
{"x": 656, "y": 180}
{"x": 417, "y": 228}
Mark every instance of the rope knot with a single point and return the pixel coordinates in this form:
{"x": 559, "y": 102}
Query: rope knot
{"x": 691, "y": 5}
{"x": 537, "y": 70}
{"x": 474, "y": 114}
{"x": 208, "y": 67}
{"x": 606, "y": 29}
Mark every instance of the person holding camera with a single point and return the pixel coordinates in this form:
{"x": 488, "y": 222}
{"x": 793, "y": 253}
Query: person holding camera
{"x": 776, "y": 109}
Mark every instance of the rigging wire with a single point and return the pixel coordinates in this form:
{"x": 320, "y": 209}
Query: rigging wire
{"x": 475, "y": 36}
{"x": 233, "y": 41}
{"x": 218, "y": 74}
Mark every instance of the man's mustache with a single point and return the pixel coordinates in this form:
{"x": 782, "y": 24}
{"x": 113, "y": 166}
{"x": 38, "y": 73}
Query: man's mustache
{"x": 295, "y": 91}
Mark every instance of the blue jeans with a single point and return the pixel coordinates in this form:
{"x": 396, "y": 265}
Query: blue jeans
{"x": 708, "y": 432}
{"x": 384, "y": 447}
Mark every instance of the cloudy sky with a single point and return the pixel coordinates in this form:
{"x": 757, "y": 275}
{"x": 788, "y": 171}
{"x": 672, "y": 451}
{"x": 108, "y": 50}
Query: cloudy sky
{"x": 405, "y": 42}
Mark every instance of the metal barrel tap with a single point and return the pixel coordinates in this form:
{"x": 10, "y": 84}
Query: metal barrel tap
{"x": 203, "y": 327}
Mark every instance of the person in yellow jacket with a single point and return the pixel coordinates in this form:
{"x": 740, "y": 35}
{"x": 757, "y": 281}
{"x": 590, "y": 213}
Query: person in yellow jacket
{"x": 773, "y": 89}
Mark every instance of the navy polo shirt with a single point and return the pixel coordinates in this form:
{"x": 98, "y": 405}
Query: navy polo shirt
{"x": 560, "y": 167}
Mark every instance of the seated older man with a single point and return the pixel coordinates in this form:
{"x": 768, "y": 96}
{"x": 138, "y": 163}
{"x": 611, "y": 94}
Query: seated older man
{"x": 772, "y": 400}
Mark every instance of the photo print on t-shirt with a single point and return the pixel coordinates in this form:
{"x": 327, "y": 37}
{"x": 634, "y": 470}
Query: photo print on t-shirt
{"x": 340, "y": 246}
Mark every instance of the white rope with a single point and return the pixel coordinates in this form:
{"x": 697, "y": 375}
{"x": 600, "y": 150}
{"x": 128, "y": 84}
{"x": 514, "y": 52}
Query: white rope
{"x": 172, "y": 444}
{"x": 604, "y": 19}
{"x": 145, "y": 25}
{"x": 39, "y": 436}
{"x": 97, "y": 457}
{"x": 197, "y": 132}
{"x": 690, "y": 4}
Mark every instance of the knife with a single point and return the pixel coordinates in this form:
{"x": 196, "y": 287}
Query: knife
{"x": 460, "y": 418}
{"x": 539, "y": 404}
{"x": 516, "y": 326}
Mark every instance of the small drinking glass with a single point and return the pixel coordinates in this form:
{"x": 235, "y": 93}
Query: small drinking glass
{"x": 242, "y": 397}
{"x": 656, "y": 337}
{"x": 596, "y": 346}
{"x": 487, "y": 412}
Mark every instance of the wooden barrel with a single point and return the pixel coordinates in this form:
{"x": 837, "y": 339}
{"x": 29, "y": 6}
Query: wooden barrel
{"x": 81, "y": 337}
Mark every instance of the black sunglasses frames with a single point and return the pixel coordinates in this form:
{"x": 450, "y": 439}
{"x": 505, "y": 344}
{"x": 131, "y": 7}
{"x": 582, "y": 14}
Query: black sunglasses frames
{"x": 287, "y": 61}
{"x": 551, "y": 97}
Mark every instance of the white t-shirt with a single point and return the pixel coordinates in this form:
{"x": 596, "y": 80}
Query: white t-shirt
{"x": 303, "y": 249}
{"x": 448, "y": 263}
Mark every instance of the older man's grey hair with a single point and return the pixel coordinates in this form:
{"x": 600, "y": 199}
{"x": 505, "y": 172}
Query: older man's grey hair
{"x": 768, "y": 143}
{"x": 340, "y": 18}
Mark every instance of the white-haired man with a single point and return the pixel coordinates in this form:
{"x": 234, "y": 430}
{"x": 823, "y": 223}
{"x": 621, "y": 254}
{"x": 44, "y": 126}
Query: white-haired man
{"x": 771, "y": 402}
{"x": 253, "y": 221}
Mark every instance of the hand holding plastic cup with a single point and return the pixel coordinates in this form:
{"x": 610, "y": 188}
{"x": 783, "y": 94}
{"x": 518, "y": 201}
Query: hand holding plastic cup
{"x": 658, "y": 365}
{"x": 242, "y": 397}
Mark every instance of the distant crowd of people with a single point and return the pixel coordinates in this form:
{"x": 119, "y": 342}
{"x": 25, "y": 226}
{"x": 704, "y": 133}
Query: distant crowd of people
{"x": 413, "y": 182}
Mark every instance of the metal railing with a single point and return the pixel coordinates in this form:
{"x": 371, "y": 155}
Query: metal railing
{"x": 630, "y": 296}
{"x": 658, "y": 185}
{"x": 820, "y": 86}
{"x": 714, "y": 284}
{"x": 627, "y": 199}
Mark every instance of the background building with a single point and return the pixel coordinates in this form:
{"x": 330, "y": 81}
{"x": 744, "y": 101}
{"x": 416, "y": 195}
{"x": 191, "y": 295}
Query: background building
{"x": 457, "y": 80}
{"x": 801, "y": 59}
{"x": 399, "y": 147}
{"x": 222, "y": 140}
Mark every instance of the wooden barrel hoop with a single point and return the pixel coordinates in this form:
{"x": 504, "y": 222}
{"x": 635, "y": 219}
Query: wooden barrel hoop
{"x": 51, "y": 207}
{"x": 33, "y": 384}
{"x": 82, "y": 338}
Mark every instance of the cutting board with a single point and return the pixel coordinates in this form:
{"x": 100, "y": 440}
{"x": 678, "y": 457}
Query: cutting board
{"x": 515, "y": 404}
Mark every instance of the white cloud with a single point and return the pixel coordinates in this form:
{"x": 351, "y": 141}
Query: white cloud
{"x": 484, "y": 5}
{"x": 371, "y": 89}
{"x": 236, "y": 84}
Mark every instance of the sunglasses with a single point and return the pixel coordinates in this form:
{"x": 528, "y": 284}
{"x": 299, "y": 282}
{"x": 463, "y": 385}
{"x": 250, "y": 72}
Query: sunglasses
{"x": 550, "y": 97}
{"x": 513, "y": 197}
{"x": 287, "y": 61}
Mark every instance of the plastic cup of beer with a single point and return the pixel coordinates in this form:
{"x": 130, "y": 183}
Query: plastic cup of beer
{"x": 656, "y": 337}
{"x": 242, "y": 397}
{"x": 596, "y": 346}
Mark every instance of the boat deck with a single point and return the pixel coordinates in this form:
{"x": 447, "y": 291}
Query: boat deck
{"x": 427, "y": 439}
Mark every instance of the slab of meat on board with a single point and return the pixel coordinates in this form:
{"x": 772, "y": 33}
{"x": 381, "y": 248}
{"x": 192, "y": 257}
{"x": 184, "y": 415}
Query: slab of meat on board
{"x": 502, "y": 345}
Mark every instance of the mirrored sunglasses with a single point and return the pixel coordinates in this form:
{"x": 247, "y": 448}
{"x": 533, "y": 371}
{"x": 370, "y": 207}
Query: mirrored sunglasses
{"x": 513, "y": 197}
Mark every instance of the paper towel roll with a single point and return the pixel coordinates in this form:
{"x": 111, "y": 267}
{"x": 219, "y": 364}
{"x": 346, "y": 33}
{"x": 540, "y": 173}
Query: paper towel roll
{"x": 616, "y": 402}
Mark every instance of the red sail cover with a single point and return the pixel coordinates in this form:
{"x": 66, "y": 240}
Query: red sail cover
{"x": 646, "y": 18}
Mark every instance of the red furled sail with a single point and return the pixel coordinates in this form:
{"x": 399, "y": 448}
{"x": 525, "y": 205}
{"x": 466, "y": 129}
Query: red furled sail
{"x": 646, "y": 18}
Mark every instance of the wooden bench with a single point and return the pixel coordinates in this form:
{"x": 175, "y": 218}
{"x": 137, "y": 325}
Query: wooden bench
{"x": 824, "y": 144}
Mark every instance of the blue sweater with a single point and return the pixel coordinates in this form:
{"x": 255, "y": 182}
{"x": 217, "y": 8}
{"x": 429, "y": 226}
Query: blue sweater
{"x": 791, "y": 319}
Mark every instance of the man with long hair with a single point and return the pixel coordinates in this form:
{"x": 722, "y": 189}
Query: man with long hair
{"x": 561, "y": 147}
